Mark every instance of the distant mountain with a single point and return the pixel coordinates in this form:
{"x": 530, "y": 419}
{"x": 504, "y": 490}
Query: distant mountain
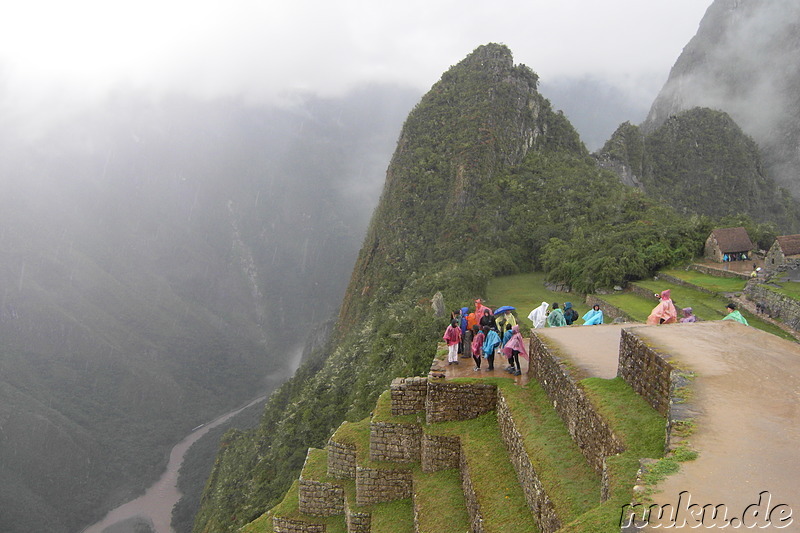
{"x": 700, "y": 162}
{"x": 161, "y": 262}
{"x": 744, "y": 60}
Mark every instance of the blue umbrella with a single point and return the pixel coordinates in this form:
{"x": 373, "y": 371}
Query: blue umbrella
{"x": 503, "y": 309}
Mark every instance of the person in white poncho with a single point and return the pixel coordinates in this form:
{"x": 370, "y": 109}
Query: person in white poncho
{"x": 539, "y": 315}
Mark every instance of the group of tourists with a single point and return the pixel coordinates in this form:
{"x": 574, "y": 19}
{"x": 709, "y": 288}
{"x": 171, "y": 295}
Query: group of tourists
{"x": 666, "y": 312}
{"x": 483, "y": 334}
{"x": 555, "y": 317}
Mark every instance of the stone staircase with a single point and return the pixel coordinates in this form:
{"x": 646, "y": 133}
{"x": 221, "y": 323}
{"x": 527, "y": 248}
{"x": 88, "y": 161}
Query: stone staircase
{"x": 477, "y": 455}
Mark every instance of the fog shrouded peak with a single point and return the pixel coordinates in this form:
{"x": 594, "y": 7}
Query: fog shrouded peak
{"x": 745, "y": 60}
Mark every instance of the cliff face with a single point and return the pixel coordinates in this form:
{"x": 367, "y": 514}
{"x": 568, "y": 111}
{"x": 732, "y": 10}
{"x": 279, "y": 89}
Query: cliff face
{"x": 744, "y": 60}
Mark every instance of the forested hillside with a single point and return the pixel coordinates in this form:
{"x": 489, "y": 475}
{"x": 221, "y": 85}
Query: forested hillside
{"x": 487, "y": 179}
{"x": 700, "y": 162}
{"x": 155, "y": 256}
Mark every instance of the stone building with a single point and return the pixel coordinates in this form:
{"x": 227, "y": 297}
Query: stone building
{"x": 784, "y": 252}
{"x": 728, "y": 244}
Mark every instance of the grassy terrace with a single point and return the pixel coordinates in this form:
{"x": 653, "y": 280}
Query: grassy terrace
{"x": 713, "y": 283}
{"x": 642, "y": 431}
{"x": 705, "y": 306}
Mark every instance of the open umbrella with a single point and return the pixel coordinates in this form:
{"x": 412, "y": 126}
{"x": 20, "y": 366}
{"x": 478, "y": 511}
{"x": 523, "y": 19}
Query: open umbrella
{"x": 503, "y": 309}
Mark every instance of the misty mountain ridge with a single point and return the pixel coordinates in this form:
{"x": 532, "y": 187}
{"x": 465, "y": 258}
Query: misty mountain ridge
{"x": 744, "y": 60}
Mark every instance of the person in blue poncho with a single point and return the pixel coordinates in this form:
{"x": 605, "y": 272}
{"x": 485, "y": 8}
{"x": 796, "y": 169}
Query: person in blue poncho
{"x": 489, "y": 345}
{"x": 466, "y": 336}
{"x": 593, "y": 316}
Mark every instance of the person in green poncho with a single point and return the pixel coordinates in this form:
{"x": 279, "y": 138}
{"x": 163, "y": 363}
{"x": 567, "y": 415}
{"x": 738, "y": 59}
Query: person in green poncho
{"x": 734, "y": 314}
{"x": 556, "y": 317}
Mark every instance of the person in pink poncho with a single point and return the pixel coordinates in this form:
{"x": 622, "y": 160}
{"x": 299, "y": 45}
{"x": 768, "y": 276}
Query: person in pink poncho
{"x": 514, "y": 348}
{"x": 452, "y": 336}
{"x": 664, "y": 312}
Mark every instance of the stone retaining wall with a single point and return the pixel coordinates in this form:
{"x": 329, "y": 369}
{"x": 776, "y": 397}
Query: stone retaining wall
{"x": 776, "y": 305}
{"x": 377, "y": 485}
{"x": 646, "y": 371}
{"x": 588, "y": 429}
{"x": 320, "y": 499}
{"x": 683, "y": 283}
{"x": 285, "y": 525}
{"x": 399, "y": 443}
{"x": 448, "y": 401}
{"x": 609, "y": 311}
{"x": 538, "y": 502}
{"x": 440, "y": 452}
{"x": 357, "y": 522}
{"x": 341, "y": 460}
{"x": 408, "y": 395}
{"x": 719, "y": 272}
{"x": 470, "y": 497}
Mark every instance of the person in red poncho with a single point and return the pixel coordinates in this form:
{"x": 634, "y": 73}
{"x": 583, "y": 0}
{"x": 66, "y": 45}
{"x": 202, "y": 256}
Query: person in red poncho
{"x": 664, "y": 312}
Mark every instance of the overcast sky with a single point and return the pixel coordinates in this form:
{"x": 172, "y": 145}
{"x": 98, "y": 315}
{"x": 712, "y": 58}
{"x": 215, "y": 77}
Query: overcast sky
{"x": 265, "y": 50}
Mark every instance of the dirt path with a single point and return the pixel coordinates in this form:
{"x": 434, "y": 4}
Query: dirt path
{"x": 748, "y": 390}
{"x": 593, "y": 349}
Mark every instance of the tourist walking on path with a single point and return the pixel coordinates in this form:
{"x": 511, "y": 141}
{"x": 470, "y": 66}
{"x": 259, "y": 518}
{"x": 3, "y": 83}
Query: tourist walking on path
{"x": 513, "y": 348}
{"x": 556, "y": 317}
{"x": 539, "y": 315}
{"x": 490, "y": 345}
{"x": 570, "y": 314}
{"x": 477, "y": 346}
{"x": 480, "y": 308}
{"x": 734, "y": 314}
{"x": 452, "y": 336}
{"x": 687, "y": 315}
{"x": 593, "y": 316}
{"x": 664, "y": 312}
{"x": 487, "y": 320}
{"x": 507, "y": 319}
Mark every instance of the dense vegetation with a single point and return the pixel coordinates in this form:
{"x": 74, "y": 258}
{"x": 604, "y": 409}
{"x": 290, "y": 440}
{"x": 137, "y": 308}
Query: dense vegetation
{"x": 486, "y": 180}
{"x": 700, "y": 162}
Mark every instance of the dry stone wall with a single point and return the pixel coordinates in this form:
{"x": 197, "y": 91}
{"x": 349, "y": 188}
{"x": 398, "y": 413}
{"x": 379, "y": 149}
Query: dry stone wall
{"x": 440, "y": 452}
{"x": 399, "y": 443}
{"x": 646, "y": 371}
{"x": 341, "y": 460}
{"x": 588, "y": 429}
{"x": 538, "y": 502}
{"x": 447, "y": 401}
{"x": 719, "y": 272}
{"x": 375, "y": 485}
{"x": 408, "y": 395}
{"x": 775, "y": 305}
{"x": 285, "y": 525}
{"x": 357, "y": 522}
{"x": 320, "y": 499}
{"x": 470, "y": 497}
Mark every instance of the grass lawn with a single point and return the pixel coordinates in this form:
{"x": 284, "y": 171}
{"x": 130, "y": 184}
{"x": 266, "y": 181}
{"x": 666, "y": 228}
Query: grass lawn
{"x": 713, "y": 283}
{"x": 787, "y": 288}
{"x": 526, "y": 292}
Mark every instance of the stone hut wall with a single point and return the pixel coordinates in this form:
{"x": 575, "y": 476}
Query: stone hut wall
{"x": 535, "y": 496}
{"x": 458, "y": 401}
{"x": 341, "y": 460}
{"x": 588, "y": 429}
{"x": 285, "y": 525}
{"x": 320, "y": 499}
{"x": 408, "y": 395}
{"x": 378, "y": 485}
{"x": 775, "y": 305}
{"x": 399, "y": 443}
{"x": 440, "y": 452}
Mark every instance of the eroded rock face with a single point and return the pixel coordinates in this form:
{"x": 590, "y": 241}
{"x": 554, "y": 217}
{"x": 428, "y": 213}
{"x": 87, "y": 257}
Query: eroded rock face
{"x": 744, "y": 61}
